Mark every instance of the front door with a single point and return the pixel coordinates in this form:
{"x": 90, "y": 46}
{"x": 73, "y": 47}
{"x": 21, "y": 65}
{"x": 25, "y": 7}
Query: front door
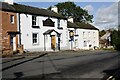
{"x": 13, "y": 42}
{"x": 53, "y": 42}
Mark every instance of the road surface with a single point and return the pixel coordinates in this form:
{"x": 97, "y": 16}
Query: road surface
{"x": 71, "y": 64}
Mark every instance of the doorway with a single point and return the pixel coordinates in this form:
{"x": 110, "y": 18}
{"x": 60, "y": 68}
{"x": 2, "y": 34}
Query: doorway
{"x": 53, "y": 42}
{"x": 13, "y": 42}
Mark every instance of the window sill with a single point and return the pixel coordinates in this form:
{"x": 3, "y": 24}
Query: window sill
{"x": 35, "y": 44}
{"x": 76, "y": 35}
{"x": 60, "y": 28}
{"x": 35, "y": 27}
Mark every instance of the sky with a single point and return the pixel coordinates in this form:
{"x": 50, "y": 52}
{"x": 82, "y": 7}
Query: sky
{"x": 105, "y": 12}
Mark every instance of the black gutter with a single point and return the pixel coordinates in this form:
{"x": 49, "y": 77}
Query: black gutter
{"x": 19, "y": 28}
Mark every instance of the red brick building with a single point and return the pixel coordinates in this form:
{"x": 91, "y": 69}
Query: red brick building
{"x": 9, "y": 31}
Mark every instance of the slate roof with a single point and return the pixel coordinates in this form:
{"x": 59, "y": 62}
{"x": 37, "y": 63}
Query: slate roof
{"x": 106, "y": 35}
{"x": 81, "y": 25}
{"x": 72, "y": 25}
{"x": 18, "y": 8}
{"x": 86, "y": 26}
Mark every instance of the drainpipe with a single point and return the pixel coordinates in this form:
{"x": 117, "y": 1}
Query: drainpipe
{"x": 19, "y": 28}
{"x": 44, "y": 44}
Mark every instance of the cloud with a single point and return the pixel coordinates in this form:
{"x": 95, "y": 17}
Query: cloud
{"x": 89, "y": 8}
{"x": 107, "y": 17}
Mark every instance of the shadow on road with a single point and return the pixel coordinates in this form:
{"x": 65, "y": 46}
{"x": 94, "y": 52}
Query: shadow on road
{"x": 13, "y": 60}
{"x": 3, "y": 69}
{"x": 112, "y": 74}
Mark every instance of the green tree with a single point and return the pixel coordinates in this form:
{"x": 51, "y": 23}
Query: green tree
{"x": 69, "y": 9}
{"x": 117, "y": 43}
{"x": 115, "y": 39}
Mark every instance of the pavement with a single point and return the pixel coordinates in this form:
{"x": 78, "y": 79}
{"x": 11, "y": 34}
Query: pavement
{"x": 55, "y": 53}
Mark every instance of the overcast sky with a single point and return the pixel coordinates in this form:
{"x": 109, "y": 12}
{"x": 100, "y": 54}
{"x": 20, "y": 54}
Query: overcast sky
{"x": 105, "y": 12}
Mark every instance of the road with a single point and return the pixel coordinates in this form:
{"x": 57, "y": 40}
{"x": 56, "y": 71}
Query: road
{"x": 71, "y": 64}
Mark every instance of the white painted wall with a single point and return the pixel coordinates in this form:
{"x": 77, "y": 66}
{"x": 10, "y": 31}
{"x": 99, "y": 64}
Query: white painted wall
{"x": 91, "y": 37}
{"x": 91, "y": 40}
{"x": 27, "y": 30}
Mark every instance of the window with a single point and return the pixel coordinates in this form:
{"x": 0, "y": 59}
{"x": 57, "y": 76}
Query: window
{"x": 89, "y": 34}
{"x": 85, "y": 44}
{"x": 94, "y": 34}
{"x": 59, "y": 27}
{"x": 83, "y": 34}
{"x": 58, "y": 22}
{"x": 12, "y": 19}
{"x": 35, "y": 38}
{"x": 93, "y": 42}
{"x": 33, "y": 20}
{"x": 76, "y": 42}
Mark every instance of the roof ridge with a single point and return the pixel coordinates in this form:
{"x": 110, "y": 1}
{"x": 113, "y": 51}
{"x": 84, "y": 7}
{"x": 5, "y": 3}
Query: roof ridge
{"x": 20, "y": 8}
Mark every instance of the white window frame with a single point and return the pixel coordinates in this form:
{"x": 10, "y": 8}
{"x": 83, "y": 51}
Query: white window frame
{"x": 33, "y": 38}
{"x": 85, "y": 43}
{"x": 34, "y": 20}
{"x": 12, "y": 19}
{"x": 58, "y": 23}
{"x": 84, "y": 35}
{"x": 94, "y": 34}
{"x": 89, "y": 34}
{"x": 76, "y": 42}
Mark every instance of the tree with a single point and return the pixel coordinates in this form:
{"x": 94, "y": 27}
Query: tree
{"x": 115, "y": 39}
{"x": 69, "y": 9}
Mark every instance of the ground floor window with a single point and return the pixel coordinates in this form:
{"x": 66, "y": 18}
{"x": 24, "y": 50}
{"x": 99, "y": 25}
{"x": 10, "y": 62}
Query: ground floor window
{"x": 76, "y": 42}
{"x": 35, "y": 38}
{"x": 85, "y": 43}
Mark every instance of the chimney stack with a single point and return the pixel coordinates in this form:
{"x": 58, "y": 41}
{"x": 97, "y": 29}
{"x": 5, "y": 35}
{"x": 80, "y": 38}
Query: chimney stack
{"x": 70, "y": 19}
{"x": 9, "y": 1}
{"x": 55, "y": 9}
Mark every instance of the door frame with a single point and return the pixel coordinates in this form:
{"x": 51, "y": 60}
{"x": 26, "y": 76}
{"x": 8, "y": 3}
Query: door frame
{"x": 13, "y": 42}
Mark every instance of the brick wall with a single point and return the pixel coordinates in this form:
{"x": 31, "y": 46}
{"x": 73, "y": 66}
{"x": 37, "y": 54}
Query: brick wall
{"x": 6, "y": 27}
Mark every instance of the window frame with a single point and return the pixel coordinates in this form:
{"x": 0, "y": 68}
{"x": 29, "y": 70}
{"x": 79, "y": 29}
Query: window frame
{"x": 34, "y": 20}
{"x": 85, "y": 43}
{"x": 84, "y": 34}
{"x": 89, "y": 34}
{"x": 35, "y": 38}
{"x": 59, "y": 24}
{"x": 12, "y": 21}
{"x": 94, "y": 34}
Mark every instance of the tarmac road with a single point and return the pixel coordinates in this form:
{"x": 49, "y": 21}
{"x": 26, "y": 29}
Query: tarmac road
{"x": 71, "y": 64}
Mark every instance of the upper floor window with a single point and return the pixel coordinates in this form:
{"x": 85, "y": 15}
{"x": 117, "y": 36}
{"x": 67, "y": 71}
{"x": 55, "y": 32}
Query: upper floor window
{"x": 12, "y": 19}
{"x": 33, "y": 20}
{"x": 84, "y": 35}
{"x": 59, "y": 27}
{"x": 58, "y": 22}
{"x": 94, "y": 34}
{"x": 89, "y": 35}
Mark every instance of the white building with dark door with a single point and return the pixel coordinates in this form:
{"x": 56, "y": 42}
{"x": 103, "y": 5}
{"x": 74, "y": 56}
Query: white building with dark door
{"x": 41, "y": 30}
{"x": 44, "y": 30}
